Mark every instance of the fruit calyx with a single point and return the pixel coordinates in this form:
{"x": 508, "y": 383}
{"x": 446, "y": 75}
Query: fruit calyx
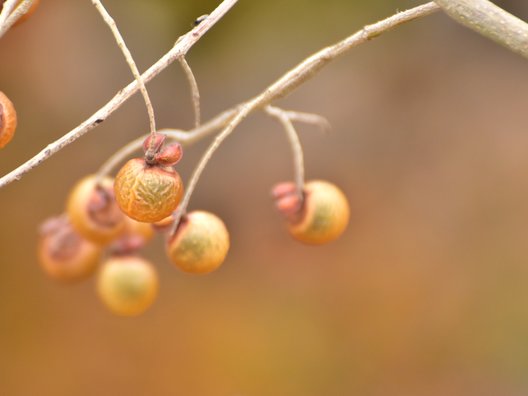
{"x": 157, "y": 153}
{"x": 288, "y": 201}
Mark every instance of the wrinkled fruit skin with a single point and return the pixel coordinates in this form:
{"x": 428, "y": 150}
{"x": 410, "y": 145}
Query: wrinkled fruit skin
{"x": 8, "y": 120}
{"x": 147, "y": 193}
{"x": 127, "y": 285}
{"x": 65, "y": 256}
{"x": 324, "y": 214}
{"x": 96, "y": 217}
{"x": 200, "y": 243}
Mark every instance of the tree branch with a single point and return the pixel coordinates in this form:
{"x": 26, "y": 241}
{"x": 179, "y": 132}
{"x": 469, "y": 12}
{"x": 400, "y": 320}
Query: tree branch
{"x": 182, "y": 46}
{"x": 491, "y": 21}
{"x": 282, "y": 87}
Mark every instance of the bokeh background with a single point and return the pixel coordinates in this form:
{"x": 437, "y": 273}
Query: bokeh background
{"x": 425, "y": 294}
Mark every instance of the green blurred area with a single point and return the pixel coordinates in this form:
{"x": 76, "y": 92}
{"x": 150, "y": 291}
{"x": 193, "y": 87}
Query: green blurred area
{"x": 425, "y": 294}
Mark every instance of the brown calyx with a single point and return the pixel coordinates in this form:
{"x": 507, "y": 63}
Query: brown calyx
{"x": 60, "y": 238}
{"x": 288, "y": 201}
{"x": 103, "y": 209}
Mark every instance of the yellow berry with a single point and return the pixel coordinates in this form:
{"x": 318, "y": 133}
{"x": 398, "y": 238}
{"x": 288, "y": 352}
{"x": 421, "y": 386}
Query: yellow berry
{"x": 200, "y": 243}
{"x": 323, "y": 215}
{"x": 93, "y": 211}
{"x": 127, "y": 285}
{"x": 147, "y": 193}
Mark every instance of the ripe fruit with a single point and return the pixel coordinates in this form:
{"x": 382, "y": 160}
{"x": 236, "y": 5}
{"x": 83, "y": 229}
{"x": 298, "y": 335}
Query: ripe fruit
{"x": 320, "y": 216}
{"x": 93, "y": 211}
{"x": 148, "y": 189}
{"x": 200, "y": 243}
{"x": 127, "y": 285}
{"x": 8, "y": 120}
{"x": 63, "y": 254}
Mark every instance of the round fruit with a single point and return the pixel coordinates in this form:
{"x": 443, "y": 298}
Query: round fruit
{"x": 8, "y": 120}
{"x": 200, "y": 243}
{"x": 147, "y": 193}
{"x": 63, "y": 254}
{"x": 322, "y": 216}
{"x": 127, "y": 285}
{"x": 93, "y": 211}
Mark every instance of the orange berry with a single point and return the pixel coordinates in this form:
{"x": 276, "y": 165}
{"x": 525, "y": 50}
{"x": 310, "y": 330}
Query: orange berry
{"x": 93, "y": 211}
{"x": 127, "y": 285}
{"x": 322, "y": 215}
{"x": 63, "y": 254}
{"x": 200, "y": 243}
{"x": 8, "y": 120}
{"x": 147, "y": 193}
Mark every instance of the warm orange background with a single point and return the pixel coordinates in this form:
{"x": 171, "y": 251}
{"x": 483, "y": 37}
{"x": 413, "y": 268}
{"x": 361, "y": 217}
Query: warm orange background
{"x": 425, "y": 294}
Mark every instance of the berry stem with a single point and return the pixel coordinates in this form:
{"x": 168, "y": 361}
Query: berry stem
{"x": 195, "y": 93}
{"x": 130, "y": 61}
{"x": 298, "y": 159}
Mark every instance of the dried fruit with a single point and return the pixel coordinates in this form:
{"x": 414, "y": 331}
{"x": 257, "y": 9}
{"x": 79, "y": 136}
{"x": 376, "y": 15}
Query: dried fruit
{"x": 147, "y": 189}
{"x": 63, "y": 254}
{"x": 127, "y": 285}
{"x": 319, "y": 216}
{"x": 200, "y": 243}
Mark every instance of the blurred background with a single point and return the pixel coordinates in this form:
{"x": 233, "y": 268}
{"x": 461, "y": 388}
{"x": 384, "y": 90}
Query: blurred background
{"x": 425, "y": 294}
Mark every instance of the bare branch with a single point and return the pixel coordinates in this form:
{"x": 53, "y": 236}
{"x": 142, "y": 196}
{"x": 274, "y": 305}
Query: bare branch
{"x": 180, "y": 49}
{"x": 491, "y": 21}
{"x": 282, "y": 87}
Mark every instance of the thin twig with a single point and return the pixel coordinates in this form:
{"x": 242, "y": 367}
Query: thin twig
{"x": 309, "y": 118}
{"x": 291, "y": 80}
{"x": 130, "y": 60}
{"x": 491, "y": 21}
{"x": 293, "y": 138}
{"x": 195, "y": 93}
{"x": 282, "y": 87}
{"x": 8, "y": 17}
{"x": 179, "y": 49}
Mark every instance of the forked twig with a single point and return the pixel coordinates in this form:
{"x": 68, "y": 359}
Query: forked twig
{"x": 295, "y": 144}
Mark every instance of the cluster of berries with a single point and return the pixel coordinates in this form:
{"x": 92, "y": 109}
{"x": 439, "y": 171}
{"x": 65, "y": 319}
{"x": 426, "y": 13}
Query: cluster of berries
{"x": 120, "y": 216}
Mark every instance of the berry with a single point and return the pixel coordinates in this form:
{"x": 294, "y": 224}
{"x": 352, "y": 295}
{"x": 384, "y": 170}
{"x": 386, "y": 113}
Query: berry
{"x": 127, "y": 285}
{"x": 321, "y": 215}
{"x": 63, "y": 254}
{"x": 8, "y": 120}
{"x": 148, "y": 189}
{"x": 200, "y": 243}
{"x": 93, "y": 211}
